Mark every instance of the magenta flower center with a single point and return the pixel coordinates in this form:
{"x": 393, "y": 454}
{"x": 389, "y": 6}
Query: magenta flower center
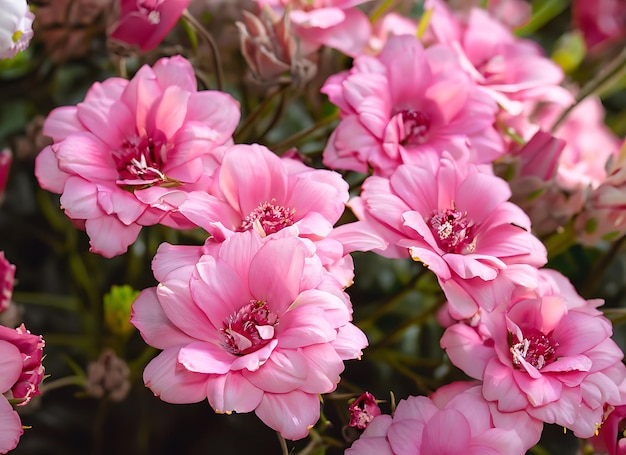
{"x": 453, "y": 231}
{"x": 150, "y": 9}
{"x": 249, "y": 329}
{"x": 139, "y": 162}
{"x": 535, "y": 348}
{"x": 416, "y": 127}
{"x": 268, "y": 218}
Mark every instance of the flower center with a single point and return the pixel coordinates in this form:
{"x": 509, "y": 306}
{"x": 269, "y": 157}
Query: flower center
{"x": 416, "y": 127}
{"x": 139, "y": 162}
{"x": 535, "y": 348}
{"x": 453, "y": 231}
{"x": 249, "y": 329}
{"x": 150, "y": 9}
{"x": 268, "y": 218}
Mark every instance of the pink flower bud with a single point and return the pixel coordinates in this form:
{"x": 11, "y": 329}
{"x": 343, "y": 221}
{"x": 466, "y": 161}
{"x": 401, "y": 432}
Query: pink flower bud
{"x": 7, "y": 276}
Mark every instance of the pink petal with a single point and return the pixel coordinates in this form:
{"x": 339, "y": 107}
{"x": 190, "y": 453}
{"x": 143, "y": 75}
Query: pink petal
{"x": 109, "y": 237}
{"x": 10, "y": 426}
{"x": 47, "y": 171}
{"x": 173, "y": 383}
{"x": 207, "y": 358}
{"x": 304, "y": 325}
{"x": 62, "y": 122}
{"x": 291, "y": 414}
{"x": 155, "y": 327}
{"x": 285, "y": 370}
{"x": 323, "y": 368}
{"x": 175, "y": 71}
{"x": 350, "y": 342}
{"x": 466, "y": 349}
{"x": 11, "y": 364}
{"x": 167, "y": 113}
{"x": 276, "y": 271}
{"x": 86, "y": 156}
{"x": 232, "y": 392}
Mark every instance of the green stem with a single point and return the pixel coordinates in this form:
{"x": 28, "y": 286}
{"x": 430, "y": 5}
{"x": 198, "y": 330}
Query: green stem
{"x": 215, "y": 55}
{"x": 62, "y": 382}
{"x": 597, "y": 84}
{"x": 284, "y": 145}
{"x": 283, "y": 444}
{"x": 243, "y": 129}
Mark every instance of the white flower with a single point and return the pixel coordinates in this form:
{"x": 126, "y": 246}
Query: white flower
{"x": 16, "y": 29}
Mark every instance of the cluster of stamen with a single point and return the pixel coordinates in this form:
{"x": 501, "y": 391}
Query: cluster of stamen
{"x": 535, "y": 348}
{"x": 268, "y": 218}
{"x": 139, "y": 162}
{"x": 416, "y": 127}
{"x": 453, "y": 231}
{"x": 150, "y": 9}
{"x": 249, "y": 329}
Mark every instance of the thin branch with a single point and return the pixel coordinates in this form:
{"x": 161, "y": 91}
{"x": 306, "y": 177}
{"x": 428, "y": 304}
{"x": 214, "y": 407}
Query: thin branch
{"x": 217, "y": 63}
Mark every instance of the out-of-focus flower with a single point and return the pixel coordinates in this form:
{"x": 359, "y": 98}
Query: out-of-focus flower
{"x": 407, "y": 103}
{"x": 271, "y": 50}
{"x": 108, "y": 377}
{"x": 252, "y": 325}
{"x": 512, "y": 70}
{"x": 333, "y": 23}
{"x": 421, "y": 426}
{"x": 457, "y": 221}
{"x": 602, "y": 21}
{"x": 7, "y": 277}
{"x": 363, "y": 411}
{"x": 125, "y": 157}
{"x": 144, "y": 23}
{"x": 590, "y": 145}
{"x": 532, "y": 357}
{"x": 511, "y": 13}
{"x": 5, "y": 165}
{"x": 604, "y": 214}
{"x": 16, "y": 27}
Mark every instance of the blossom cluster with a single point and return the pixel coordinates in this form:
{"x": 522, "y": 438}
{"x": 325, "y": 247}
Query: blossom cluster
{"x": 471, "y": 154}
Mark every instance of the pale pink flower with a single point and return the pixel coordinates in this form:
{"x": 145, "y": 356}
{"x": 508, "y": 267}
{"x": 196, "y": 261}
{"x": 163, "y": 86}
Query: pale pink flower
{"x": 511, "y": 70}
{"x": 590, "y": 145}
{"x": 406, "y": 103}
{"x": 334, "y": 23}
{"x": 457, "y": 221}
{"x": 389, "y": 24}
{"x": 127, "y": 155}
{"x": 363, "y": 410}
{"x": 21, "y": 372}
{"x": 421, "y": 426}
{"x": 16, "y": 27}
{"x": 604, "y": 213}
{"x": 256, "y": 190}
{"x": 545, "y": 356}
{"x": 7, "y": 277}
{"x": 251, "y": 324}
{"x": 511, "y": 13}
{"x": 144, "y": 23}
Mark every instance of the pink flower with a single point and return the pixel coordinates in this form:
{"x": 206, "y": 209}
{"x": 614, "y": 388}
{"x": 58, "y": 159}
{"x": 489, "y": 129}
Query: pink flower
{"x": 545, "y": 356}
{"x": 511, "y": 70}
{"x": 602, "y": 22}
{"x": 334, "y": 23}
{"x": 589, "y": 144}
{"x": 252, "y": 324}
{"x": 16, "y": 27}
{"x": 256, "y": 190}
{"x": 407, "y": 103}
{"x": 363, "y": 411}
{"x": 422, "y": 426}
{"x": 456, "y": 221}
{"x": 21, "y": 373}
{"x": 7, "y": 277}
{"x": 127, "y": 155}
{"x": 144, "y": 23}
